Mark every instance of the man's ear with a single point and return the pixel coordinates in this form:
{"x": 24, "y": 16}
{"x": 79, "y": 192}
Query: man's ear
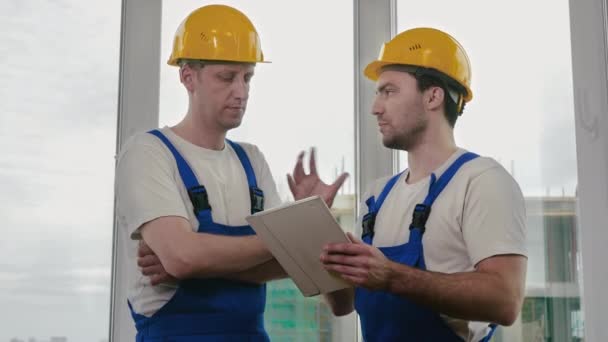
{"x": 187, "y": 76}
{"x": 434, "y": 98}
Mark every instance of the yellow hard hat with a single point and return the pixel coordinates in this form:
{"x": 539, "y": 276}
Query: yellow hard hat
{"x": 427, "y": 48}
{"x": 217, "y": 33}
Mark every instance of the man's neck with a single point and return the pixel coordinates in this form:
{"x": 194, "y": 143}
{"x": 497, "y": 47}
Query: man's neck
{"x": 428, "y": 156}
{"x": 199, "y": 134}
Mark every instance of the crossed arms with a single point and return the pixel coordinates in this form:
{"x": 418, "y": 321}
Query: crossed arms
{"x": 172, "y": 250}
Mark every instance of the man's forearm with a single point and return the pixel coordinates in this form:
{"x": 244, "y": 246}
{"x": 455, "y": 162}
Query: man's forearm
{"x": 201, "y": 255}
{"x": 474, "y": 296}
{"x": 268, "y": 271}
{"x": 187, "y": 254}
{"x": 210, "y": 255}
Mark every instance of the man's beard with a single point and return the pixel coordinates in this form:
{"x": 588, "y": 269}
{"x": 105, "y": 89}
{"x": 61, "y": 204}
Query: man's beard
{"x": 408, "y": 140}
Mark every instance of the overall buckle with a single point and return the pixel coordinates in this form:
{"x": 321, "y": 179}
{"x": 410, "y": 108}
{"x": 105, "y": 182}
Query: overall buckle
{"x": 257, "y": 199}
{"x": 420, "y": 216}
{"x": 369, "y": 221}
{"x": 199, "y": 198}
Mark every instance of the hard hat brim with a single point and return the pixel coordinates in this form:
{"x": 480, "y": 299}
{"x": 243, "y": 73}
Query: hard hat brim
{"x": 174, "y": 61}
{"x": 372, "y": 70}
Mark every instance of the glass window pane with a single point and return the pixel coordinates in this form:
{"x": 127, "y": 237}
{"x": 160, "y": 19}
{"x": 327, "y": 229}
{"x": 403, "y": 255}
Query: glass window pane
{"x": 303, "y": 98}
{"x": 522, "y": 115}
{"x": 58, "y": 100}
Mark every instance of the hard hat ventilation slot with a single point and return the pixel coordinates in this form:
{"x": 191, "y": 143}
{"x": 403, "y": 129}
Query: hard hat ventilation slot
{"x": 415, "y": 47}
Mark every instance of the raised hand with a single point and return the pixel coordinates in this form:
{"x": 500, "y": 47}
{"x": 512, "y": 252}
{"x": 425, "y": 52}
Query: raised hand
{"x": 304, "y": 185}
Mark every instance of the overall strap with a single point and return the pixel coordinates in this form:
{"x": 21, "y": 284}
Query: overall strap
{"x": 490, "y": 334}
{"x": 256, "y": 194}
{"x": 185, "y": 171}
{"x": 373, "y": 206}
{"x": 240, "y": 152}
{"x": 423, "y": 210}
{"x": 196, "y": 192}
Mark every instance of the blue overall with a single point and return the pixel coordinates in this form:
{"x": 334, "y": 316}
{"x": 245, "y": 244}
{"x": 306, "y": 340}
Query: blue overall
{"x": 387, "y": 317}
{"x": 217, "y": 310}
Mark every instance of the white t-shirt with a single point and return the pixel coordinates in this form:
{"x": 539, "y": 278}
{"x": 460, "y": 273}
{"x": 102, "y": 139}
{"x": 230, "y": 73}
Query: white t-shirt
{"x": 479, "y": 214}
{"x": 148, "y": 186}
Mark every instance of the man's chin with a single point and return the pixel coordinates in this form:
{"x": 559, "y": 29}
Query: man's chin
{"x": 393, "y": 144}
{"x": 388, "y": 143}
{"x": 232, "y": 124}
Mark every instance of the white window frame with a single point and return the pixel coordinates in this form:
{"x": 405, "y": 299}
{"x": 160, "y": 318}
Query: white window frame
{"x": 138, "y": 98}
{"x": 375, "y": 23}
{"x": 590, "y": 85}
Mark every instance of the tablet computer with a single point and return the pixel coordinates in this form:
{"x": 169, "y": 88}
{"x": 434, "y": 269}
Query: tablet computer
{"x": 295, "y": 234}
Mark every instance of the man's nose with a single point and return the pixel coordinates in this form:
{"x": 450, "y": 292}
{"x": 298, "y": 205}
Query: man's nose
{"x": 241, "y": 89}
{"x": 377, "y": 106}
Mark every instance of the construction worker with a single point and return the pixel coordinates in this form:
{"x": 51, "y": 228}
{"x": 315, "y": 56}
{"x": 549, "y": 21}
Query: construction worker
{"x": 184, "y": 192}
{"x": 442, "y": 252}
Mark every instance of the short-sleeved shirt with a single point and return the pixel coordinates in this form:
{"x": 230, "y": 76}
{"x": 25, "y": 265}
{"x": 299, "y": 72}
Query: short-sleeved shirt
{"x": 148, "y": 186}
{"x": 479, "y": 214}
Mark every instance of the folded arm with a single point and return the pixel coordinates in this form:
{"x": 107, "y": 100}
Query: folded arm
{"x": 152, "y": 267}
{"x": 187, "y": 254}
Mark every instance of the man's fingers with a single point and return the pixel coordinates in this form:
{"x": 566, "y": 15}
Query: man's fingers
{"x": 148, "y": 260}
{"x": 340, "y": 181}
{"x": 312, "y": 162}
{"x": 333, "y": 189}
{"x": 344, "y": 270}
{"x": 292, "y": 185}
{"x": 144, "y": 249}
{"x": 155, "y": 269}
{"x": 342, "y": 259}
{"x": 347, "y": 248}
{"x": 298, "y": 170}
{"x": 156, "y": 279}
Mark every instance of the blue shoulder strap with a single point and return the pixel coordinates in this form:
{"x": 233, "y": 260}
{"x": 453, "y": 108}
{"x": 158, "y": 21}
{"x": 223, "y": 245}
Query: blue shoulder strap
{"x": 423, "y": 210}
{"x": 256, "y": 194}
{"x": 245, "y": 162}
{"x": 196, "y": 192}
{"x": 373, "y": 206}
{"x": 185, "y": 171}
{"x": 437, "y": 187}
{"x": 490, "y": 334}
{"x": 385, "y": 191}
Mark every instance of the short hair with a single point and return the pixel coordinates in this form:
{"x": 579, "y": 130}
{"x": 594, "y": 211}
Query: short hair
{"x": 199, "y": 63}
{"x": 193, "y": 63}
{"x": 426, "y": 81}
{"x": 427, "y": 78}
